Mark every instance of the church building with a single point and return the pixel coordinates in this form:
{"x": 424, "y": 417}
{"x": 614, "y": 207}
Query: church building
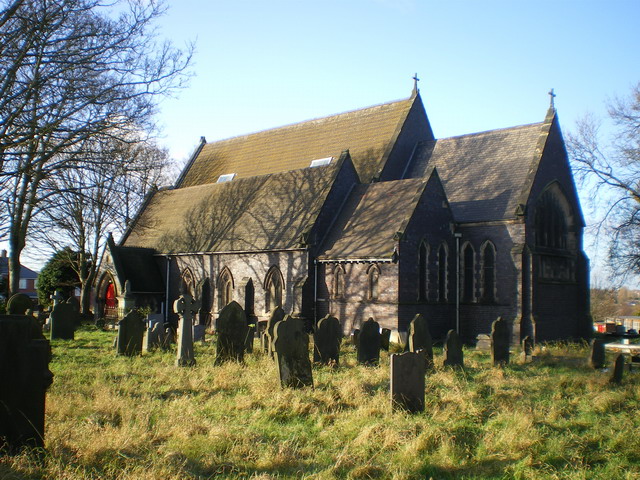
{"x": 366, "y": 214}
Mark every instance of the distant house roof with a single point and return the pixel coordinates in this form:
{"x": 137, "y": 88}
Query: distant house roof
{"x": 24, "y": 271}
{"x": 368, "y": 134}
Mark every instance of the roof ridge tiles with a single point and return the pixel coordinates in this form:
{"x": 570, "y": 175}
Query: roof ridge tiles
{"x": 487, "y": 132}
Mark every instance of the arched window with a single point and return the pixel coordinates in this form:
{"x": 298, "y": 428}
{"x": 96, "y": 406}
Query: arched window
{"x": 187, "y": 282}
{"x": 550, "y": 221}
{"x": 374, "y": 276}
{"x": 489, "y": 273}
{"x": 442, "y": 273}
{"x": 225, "y": 288}
{"x": 338, "y": 282}
{"x": 273, "y": 285}
{"x": 468, "y": 269}
{"x": 423, "y": 272}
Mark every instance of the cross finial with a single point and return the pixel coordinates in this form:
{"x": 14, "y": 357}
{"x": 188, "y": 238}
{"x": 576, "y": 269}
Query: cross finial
{"x": 415, "y": 83}
{"x": 552, "y": 95}
{"x": 186, "y": 305}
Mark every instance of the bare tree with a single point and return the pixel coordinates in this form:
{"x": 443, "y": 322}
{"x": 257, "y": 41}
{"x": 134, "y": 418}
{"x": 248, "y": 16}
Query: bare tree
{"x": 72, "y": 70}
{"x": 613, "y": 166}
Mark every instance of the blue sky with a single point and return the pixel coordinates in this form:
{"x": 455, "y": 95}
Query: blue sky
{"x": 483, "y": 64}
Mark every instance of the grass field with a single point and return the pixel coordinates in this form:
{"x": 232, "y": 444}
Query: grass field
{"x": 112, "y": 417}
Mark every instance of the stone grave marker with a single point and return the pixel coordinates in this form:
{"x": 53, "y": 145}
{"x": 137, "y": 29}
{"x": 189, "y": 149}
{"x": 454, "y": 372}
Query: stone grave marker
{"x": 369, "y": 343}
{"x": 407, "y": 381}
{"x": 618, "y": 369}
{"x": 62, "y": 321}
{"x": 385, "y": 339}
{"x": 354, "y": 337}
{"x": 24, "y": 379}
{"x": 199, "y": 332}
{"x": 186, "y": 307}
{"x": 500, "y": 340}
{"x": 483, "y": 342}
{"x": 526, "y": 355}
{"x": 597, "y": 355}
{"x": 232, "y": 333}
{"x": 131, "y": 331}
{"x": 276, "y": 315}
{"x": 420, "y": 338}
{"x": 18, "y": 304}
{"x": 154, "y": 337}
{"x": 291, "y": 345}
{"x": 57, "y": 297}
{"x": 169, "y": 338}
{"x": 326, "y": 341}
{"x": 453, "y": 355}
{"x": 75, "y": 303}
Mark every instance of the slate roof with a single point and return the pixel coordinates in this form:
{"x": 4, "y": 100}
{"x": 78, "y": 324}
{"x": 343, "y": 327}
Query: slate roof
{"x": 139, "y": 266}
{"x": 258, "y": 213}
{"x": 370, "y": 219}
{"x": 484, "y": 174}
{"x": 25, "y": 272}
{"x": 368, "y": 134}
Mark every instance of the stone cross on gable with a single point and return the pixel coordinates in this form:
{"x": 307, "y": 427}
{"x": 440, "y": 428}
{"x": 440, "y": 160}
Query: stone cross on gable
{"x": 553, "y": 96}
{"x": 415, "y": 82}
{"x": 186, "y": 306}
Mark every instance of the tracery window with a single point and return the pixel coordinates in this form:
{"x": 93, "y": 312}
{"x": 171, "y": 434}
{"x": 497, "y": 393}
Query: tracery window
{"x": 489, "y": 273}
{"x": 273, "y": 289}
{"x": 423, "y": 272}
{"x": 225, "y": 288}
{"x": 442, "y": 273}
{"x": 338, "y": 282}
{"x": 468, "y": 269}
{"x": 188, "y": 282}
{"x": 373, "y": 277}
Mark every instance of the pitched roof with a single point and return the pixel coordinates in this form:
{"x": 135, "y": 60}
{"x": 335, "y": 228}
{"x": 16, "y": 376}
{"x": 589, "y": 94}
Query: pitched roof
{"x": 367, "y": 134}
{"x": 484, "y": 174}
{"x": 258, "y": 213}
{"x": 25, "y": 272}
{"x": 370, "y": 219}
{"x": 139, "y": 266}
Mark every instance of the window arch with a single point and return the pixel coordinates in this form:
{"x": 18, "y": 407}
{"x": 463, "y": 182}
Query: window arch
{"x": 423, "y": 272}
{"x": 373, "y": 274}
{"x": 273, "y": 285}
{"x": 488, "y": 272}
{"x": 553, "y": 219}
{"x": 338, "y": 282}
{"x": 468, "y": 270}
{"x": 225, "y": 288}
{"x": 442, "y": 272}
{"x": 188, "y": 283}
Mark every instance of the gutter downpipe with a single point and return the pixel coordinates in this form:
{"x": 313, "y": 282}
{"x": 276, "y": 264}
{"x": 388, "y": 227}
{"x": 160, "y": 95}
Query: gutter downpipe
{"x": 166, "y": 298}
{"x": 315, "y": 292}
{"x": 457, "y": 236}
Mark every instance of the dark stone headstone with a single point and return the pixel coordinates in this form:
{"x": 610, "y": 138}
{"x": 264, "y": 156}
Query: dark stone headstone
{"x": 354, "y": 337}
{"x": 500, "y": 340}
{"x": 18, "y": 304}
{"x": 131, "y": 331}
{"x": 63, "y": 321}
{"x": 232, "y": 333}
{"x": 369, "y": 343}
{"x": 453, "y": 356}
{"x": 24, "y": 379}
{"x": 252, "y": 323}
{"x": 199, "y": 332}
{"x": 420, "y": 338}
{"x": 155, "y": 336}
{"x": 526, "y": 355}
{"x": 326, "y": 341}
{"x": 597, "y": 356}
{"x": 186, "y": 307}
{"x": 385, "y": 339}
{"x": 75, "y": 303}
{"x": 407, "y": 381}
{"x": 291, "y": 344}
{"x": 618, "y": 369}
{"x": 276, "y": 315}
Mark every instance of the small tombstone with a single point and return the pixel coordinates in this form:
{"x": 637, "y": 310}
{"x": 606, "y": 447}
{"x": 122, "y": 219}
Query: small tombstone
{"x": 420, "y": 338}
{"x": 354, "y": 337}
{"x": 276, "y": 315}
{"x": 232, "y": 333}
{"x": 326, "y": 341}
{"x": 252, "y": 323}
{"x": 369, "y": 343}
{"x": 597, "y": 356}
{"x": 199, "y": 333}
{"x": 25, "y": 377}
{"x": 62, "y": 321}
{"x": 75, "y": 303}
{"x": 18, "y": 304}
{"x": 154, "y": 337}
{"x": 291, "y": 345}
{"x": 527, "y": 350}
{"x": 130, "y": 334}
{"x": 169, "y": 338}
{"x": 407, "y": 381}
{"x": 385, "y": 339}
{"x": 453, "y": 356}
{"x": 500, "y": 342}
{"x": 483, "y": 342}
{"x": 186, "y": 307}
{"x": 618, "y": 369}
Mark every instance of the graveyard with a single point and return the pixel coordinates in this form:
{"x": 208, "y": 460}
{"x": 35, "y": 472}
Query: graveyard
{"x": 145, "y": 416}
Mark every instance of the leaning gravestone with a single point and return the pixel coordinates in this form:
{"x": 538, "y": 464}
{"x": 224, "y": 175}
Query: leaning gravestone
{"x": 232, "y": 333}
{"x": 420, "y": 338}
{"x": 407, "y": 381}
{"x": 385, "y": 339}
{"x": 597, "y": 356}
{"x": 130, "y": 334}
{"x": 453, "y": 356}
{"x": 186, "y": 307}
{"x": 24, "y": 379}
{"x": 618, "y": 369}
{"x": 18, "y": 304}
{"x": 276, "y": 315}
{"x": 500, "y": 342}
{"x": 326, "y": 341}
{"x": 291, "y": 345}
{"x": 62, "y": 321}
{"x": 369, "y": 343}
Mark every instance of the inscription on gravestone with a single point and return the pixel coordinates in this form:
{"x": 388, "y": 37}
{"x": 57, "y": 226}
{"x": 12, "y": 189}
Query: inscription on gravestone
{"x": 291, "y": 344}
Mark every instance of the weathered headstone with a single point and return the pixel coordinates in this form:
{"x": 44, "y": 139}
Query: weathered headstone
{"x": 199, "y": 332}
{"x": 186, "y": 307}
{"x": 483, "y": 342}
{"x": 154, "y": 337}
{"x": 251, "y": 335}
{"x": 276, "y": 315}
{"x": 63, "y": 320}
{"x": 326, "y": 341}
{"x": 291, "y": 344}
{"x": 500, "y": 339}
{"x": 232, "y": 333}
{"x": 24, "y": 379}
{"x": 527, "y": 350}
{"x": 75, "y": 303}
{"x": 618, "y": 369}
{"x": 369, "y": 343}
{"x": 407, "y": 381}
{"x": 597, "y": 356}
{"x": 130, "y": 334}
{"x": 420, "y": 338}
{"x": 453, "y": 356}
{"x": 169, "y": 338}
{"x": 385, "y": 339}
{"x": 354, "y": 337}
{"x": 18, "y": 304}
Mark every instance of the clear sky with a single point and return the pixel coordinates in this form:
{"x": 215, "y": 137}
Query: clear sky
{"x": 483, "y": 64}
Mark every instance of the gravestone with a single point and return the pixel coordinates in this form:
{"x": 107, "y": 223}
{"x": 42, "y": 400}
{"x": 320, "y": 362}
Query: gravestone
{"x": 251, "y": 335}
{"x": 500, "y": 340}
{"x": 186, "y": 307}
{"x": 483, "y": 342}
{"x": 618, "y": 369}
{"x": 597, "y": 356}
{"x": 453, "y": 356}
{"x": 57, "y": 297}
{"x": 407, "y": 381}
{"x": 154, "y": 337}
{"x": 62, "y": 321}
{"x": 169, "y": 338}
{"x": 18, "y": 304}
{"x": 326, "y": 341}
{"x": 369, "y": 343}
{"x": 232, "y": 333}
{"x": 24, "y": 379}
{"x": 199, "y": 333}
{"x": 385, "y": 339}
{"x": 526, "y": 355}
{"x": 420, "y": 338}
{"x": 130, "y": 334}
{"x": 276, "y": 315}
{"x": 75, "y": 303}
{"x": 354, "y": 337}
{"x": 291, "y": 345}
